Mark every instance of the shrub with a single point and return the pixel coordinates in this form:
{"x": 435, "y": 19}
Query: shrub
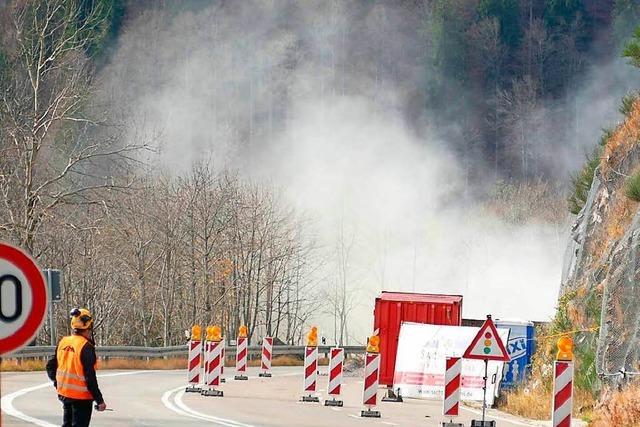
{"x": 582, "y": 182}
{"x": 606, "y": 134}
{"x": 621, "y": 408}
{"x": 626, "y": 105}
{"x": 632, "y": 187}
{"x": 632, "y": 49}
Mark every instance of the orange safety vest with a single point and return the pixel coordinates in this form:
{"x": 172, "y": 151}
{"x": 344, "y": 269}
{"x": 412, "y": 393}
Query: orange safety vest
{"x": 70, "y": 378}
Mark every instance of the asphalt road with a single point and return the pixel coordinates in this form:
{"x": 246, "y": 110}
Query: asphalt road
{"x": 157, "y": 398}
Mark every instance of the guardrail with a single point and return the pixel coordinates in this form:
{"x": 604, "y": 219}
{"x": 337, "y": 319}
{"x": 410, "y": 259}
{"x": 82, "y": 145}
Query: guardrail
{"x": 44, "y": 351}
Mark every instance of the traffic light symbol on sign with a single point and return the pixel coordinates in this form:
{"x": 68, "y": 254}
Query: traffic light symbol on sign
{"x": 487, "y": 344}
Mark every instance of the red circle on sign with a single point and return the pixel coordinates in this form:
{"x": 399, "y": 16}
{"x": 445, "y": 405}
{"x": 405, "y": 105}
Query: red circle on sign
{"x": 487, "y": 335}
{"x": 35, "y": 281}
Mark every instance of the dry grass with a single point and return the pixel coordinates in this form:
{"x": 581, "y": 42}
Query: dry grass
{"x": 616, "y": 221}
{"x": 172, "y": 363}
{"x": 535, "y": 403}
{"x": 28, "y": 365}
{"x": 621, "y": 141}
{"x": 12, "y": 365}
{"x": 618, "y": 408}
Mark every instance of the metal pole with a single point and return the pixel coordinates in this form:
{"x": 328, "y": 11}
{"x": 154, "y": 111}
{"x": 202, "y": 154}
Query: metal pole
{"x": 484, "y": 389}
{"x": 52, "y": 323}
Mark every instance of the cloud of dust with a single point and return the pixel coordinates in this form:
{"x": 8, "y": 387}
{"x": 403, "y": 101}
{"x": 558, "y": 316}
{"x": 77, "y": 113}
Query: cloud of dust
{"x": 318, "y": 97}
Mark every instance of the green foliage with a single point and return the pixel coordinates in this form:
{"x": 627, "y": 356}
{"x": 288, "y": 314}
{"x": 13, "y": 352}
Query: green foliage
{"x": 103, "y": 19}
{"x": 508, "y": 14}
{"x": 582, "y": 182}
{"x": 632, "y": 187}
{"x": 586, "y": 376}
{"x": 585, "y": 342}
{"x": 4, "y": 64}
{"x": 626, "y": 15}
{"x": 560, "y": 14}
{"x": 632, "y": 49}
{"x": 451, "y": 47}
{"x": 626, "y": 104}
{"x": 607, "y": 133}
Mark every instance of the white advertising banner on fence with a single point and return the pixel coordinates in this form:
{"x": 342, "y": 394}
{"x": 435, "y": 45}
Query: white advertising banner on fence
{"x": 420, "y": 362}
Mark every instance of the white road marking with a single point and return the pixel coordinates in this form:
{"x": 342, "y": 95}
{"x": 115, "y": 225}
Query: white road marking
{"x": 333, "y": 408}
{"x": 179, "y": 407}
{"x": 166, "y": 401}
{"x": 222, "y": 421}
{"x": 6, "y": 403}
{"x": 388, "y": 423}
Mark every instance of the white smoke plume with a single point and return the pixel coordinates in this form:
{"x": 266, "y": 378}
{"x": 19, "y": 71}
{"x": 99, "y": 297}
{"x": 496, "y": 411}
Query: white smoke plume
{"x": 306, "y": 96}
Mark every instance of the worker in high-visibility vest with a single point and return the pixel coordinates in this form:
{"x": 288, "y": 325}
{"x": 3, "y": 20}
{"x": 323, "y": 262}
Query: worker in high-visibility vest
{"x": 72, "y": 370}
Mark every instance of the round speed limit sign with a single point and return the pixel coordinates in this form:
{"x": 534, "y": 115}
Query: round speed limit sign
{"x": 23, "y": 298}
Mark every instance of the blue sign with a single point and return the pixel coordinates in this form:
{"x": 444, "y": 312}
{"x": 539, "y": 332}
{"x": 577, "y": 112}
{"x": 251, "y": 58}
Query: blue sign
{"x": 520, "y": 347}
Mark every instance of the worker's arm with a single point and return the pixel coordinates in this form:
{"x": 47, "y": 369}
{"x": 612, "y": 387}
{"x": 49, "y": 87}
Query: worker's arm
{"x": 52, "y": 367}
{"x": 88, "y": 359}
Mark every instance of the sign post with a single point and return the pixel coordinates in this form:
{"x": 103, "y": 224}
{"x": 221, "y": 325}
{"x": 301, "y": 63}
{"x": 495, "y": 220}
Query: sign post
{"x": 486, "y": 345}
{"x": 23, "y": 298}
{"x": 55, "y": 295}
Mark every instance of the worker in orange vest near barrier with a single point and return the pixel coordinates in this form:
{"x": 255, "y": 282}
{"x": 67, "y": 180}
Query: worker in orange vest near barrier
{"x": 72, "y": 370}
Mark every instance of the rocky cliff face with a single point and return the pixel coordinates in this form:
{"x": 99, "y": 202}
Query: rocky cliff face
{"x": 601, "y": 269}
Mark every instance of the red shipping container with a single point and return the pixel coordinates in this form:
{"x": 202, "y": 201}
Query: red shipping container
{"x": 393, "y": 308}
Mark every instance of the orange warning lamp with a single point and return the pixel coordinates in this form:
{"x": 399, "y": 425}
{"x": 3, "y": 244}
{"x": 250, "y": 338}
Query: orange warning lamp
{"x": 196, "y": 333}
{"x": 216, "y": 333}
{"x": 565, "y": 349}
{"x": 373, "y": 344}
{"x": 213, "y": 333}
{"x": 312, "y": 337}
{"x": 242, "y": 331}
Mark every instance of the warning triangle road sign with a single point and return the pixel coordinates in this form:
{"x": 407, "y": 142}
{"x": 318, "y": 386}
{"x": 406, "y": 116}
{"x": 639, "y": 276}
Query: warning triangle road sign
{"x": 487, "y": 344}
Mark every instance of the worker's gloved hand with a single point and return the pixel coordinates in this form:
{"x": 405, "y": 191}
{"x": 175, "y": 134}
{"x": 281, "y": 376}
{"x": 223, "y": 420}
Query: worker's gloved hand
{"x": 101, "y": 407}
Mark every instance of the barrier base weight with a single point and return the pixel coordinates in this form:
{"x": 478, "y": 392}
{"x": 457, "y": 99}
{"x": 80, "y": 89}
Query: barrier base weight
{"x": 452, "y": 424}
{"x": 310, "y": 398}
{"x": 368, "y": 413}
{"x": 264, "y": 374}
{"x": 193, "y": 389}
{"x": 392, "y": 397}
{"x": 333, "y": 402}
{"x": 223, "y": 380}
{"x": 240, "y": 377}
{"x": 214, "y": 393}
{"x": 479, "y": 423}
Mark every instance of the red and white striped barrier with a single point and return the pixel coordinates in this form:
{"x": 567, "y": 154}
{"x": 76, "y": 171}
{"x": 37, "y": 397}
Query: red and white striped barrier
{"x": 310, "y": 374}
{"x": 223, "y": 360}
{"x": 213, "y": 364}
{"x": 241, "y": 358}
{"x": 562, "y": 394}
{"x": 452, "y": 379}
{"x": 206, "y": 349}
{"x": 336, "y": 361}
{"x": 193, "y": 367}
{"x": 371, "y": 377}
{"x": 267, "y": 352}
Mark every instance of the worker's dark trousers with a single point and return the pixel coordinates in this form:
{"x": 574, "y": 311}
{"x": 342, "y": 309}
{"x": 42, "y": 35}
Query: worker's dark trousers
{"x": 77, "y": 413}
